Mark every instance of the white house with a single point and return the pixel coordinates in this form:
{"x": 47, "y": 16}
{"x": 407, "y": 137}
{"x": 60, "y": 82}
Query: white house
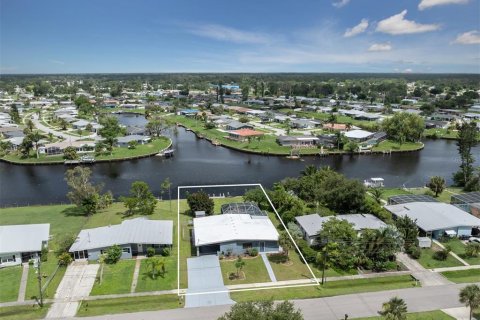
{"x": 20, "y": 243}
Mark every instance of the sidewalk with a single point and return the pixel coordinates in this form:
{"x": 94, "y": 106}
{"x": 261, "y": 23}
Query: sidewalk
{"x": 425, "y": 276}
{"x": 271, "y": 274}
{"x": 136, "y": 273}
{"x": 23, "y": 282}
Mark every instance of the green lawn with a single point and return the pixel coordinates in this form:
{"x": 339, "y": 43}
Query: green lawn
{"x": 10, "y": 283}
{"x": 458, "y": 247}
{"x": 165, "y": 281}
{"x": 48, "y": 268}
{"x": 332, "y": 288}
{"x": 388, "y": 145}
{"x": 254, "y": 270}
{"x": 24, "y": 312}
{"x": 427, "y": 261}
{"x": 445, "y": 196}
{"x": 429, "y": 315}
{"x": 463, "y": 276}
{"x": 126, "y": 305}
{"x": 117, "y": 278}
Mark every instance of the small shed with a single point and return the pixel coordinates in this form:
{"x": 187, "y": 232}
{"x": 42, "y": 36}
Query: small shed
{"x": 200, "y": 214}
{"x": 424, "y": 242}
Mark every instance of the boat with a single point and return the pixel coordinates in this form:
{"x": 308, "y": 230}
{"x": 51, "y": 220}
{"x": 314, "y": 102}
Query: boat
{"x": 374, "y": 182}
{"x": 167, "y": 153}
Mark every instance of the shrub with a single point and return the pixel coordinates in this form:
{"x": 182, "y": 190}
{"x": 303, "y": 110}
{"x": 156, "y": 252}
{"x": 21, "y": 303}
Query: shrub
{"x": 150, "y": 252}
{"x": 472, "y": 249}
{"x": 309, "y": 254}
{"x": 441, "y": 255}
{"x": 113, "y": 254}
{"x": 278, "y": 258}
{"x": 64, "y": 243}
{"x": 166, "y": 252}
{"x": 64, "y": 259}
{"x": 44, "y": 254}
{"x": 252, "y": 252}
{"x": 414, "y": 252}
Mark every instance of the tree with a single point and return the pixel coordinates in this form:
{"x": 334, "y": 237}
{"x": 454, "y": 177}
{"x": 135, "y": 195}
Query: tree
{"x": 200, "y": 201}
{"x": 141, "y": 199}
{"x": 404, "y": 127}
{"x": 132, "y": 144}
{"x": 408, "y": 230}
{"x": 472, "y": 249}
{"x": 63, "y": 124}
{"x": 264, "y": 310}
{"x": 26, "y": 146}
{"x": 239, "y": 264}
{"x": 377, "y": 194}
{"x": 14, "y": 115}
{"x": 155, "y": 264}
{"x": 82, "y": 191}
{"x": 378, "y": 247}
{"x": 164, "y": 187}
{"x": 470, "y": 296}
{"x": 309, "y": 170}
{"x": 256, "y": 196}
{"x": 156, "y": 126}
{"x": 394, "y": 309}
{"x": 70, "y": 153}
{"x": 63, "y": 243}
{"x": 467, "y": 139}
{"x": 437, "y": 185}
{"x": 351, "y": 146}
{"x": 64, "y": 259}
{"x": 110, "y": 131}
{"x": 113, "y": 254}
{"x": 285, "y": 242}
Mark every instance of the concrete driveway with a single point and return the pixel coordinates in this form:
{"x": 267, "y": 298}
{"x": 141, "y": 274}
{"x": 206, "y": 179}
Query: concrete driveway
{"x": 76, "y": 284}
{"x": 204, "y": 283}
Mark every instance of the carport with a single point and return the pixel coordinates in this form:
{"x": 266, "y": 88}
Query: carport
{"x": 204, "y": 283}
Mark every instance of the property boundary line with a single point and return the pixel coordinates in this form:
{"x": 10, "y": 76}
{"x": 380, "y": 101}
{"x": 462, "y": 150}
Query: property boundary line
{"x": 179, "y": 290}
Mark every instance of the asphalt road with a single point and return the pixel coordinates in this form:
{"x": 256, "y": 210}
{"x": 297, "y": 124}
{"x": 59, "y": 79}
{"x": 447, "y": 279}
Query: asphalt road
{"x": 331, "y": 308}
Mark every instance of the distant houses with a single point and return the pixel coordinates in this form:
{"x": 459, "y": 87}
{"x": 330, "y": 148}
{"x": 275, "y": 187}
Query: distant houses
{"x": 133, "y": 236}
{"x": 244, "y": 134}
{"x": 20, "y": 243}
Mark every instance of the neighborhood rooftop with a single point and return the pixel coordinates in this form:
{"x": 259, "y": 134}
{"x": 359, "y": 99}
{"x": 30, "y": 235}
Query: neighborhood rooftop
{"x": 23, "y": 238}
{"x": 232, "y": 227}
{"x": 139, "y": 230}
{"x": 432, "y": 216}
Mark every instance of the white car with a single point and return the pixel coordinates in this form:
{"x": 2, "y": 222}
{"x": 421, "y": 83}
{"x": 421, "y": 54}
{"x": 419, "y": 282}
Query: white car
{"x": 474, "y": 239}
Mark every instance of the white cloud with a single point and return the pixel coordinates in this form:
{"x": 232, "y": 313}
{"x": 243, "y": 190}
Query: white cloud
{"x": 223, "y": 33}
{"x": 397, "y": 24}
{"x": 425, "y": 4}
{"x": 470, "y": 37}
{"x": 340, "y": 3}
{"x": 359, "y": 28}
{"x": 408, "y": 70}
{"x": 376, "y": 47}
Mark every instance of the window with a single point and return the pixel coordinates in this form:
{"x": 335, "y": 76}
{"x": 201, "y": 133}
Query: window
{"x": 247, "y": 245}
{"x": 8, "y": 259}
{"x": 127, "y": 250}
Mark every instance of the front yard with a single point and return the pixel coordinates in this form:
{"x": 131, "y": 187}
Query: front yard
{"x": 254, "y": 271}
{"x": 48, "y": 269}
{"x": 27, "y": 312}
{"x": 429, "y": 315}
{"x": 165, "y": 281}
{"x": 458, "y": 247}
{"x": 10, "y": 283}
{"x": 427, "y": 260}
{"x": 117, "y": 278}
{"x": 463, "y": 276}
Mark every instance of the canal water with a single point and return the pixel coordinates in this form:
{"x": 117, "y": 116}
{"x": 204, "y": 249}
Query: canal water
{"x": 197, "y": 162}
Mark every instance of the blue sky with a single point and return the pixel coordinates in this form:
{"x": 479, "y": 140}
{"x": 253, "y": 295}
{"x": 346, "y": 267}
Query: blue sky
{"x": 239, "y": 36}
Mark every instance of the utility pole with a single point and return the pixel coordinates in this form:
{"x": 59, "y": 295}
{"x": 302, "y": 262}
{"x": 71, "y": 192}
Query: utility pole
{"x": 39, "y": 277}
{"x": 324, "y": 258}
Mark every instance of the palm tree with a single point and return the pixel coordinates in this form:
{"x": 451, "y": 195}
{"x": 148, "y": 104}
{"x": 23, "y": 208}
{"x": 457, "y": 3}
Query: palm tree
{"x": 309, "y": 170}
{"x": 35, "y": 137}
{"x": 377, "y": 194}
{"x": 285, "y": 242}
{"x": 470, "y": 296}
{"x": 239, "y": 264}
{"x": 155, "y": 264}
{"x": 394, "y": 309}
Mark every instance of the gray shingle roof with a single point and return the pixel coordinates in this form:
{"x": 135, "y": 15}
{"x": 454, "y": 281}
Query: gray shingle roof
{"x": 432, "y": 216}
{"x": 312, "y": 223}
{"x": 23, "y": 237}
{"x": 139, "y": 230}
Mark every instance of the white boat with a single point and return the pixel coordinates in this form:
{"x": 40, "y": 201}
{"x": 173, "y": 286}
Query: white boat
{"x": 374, "y": 182}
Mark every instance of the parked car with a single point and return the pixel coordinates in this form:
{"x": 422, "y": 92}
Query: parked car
{"x": 474, "y": 239}
{"x": 464, "y": 237}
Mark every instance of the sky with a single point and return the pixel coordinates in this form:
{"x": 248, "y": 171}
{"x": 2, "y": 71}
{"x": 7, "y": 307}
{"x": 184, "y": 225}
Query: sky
{"x": 149, "y": 36}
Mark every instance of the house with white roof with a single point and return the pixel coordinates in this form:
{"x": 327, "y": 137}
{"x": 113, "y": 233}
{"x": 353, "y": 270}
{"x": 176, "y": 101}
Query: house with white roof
{"x": 435, "y": 219}
{"x": 133, "y": 236}
{"x": 358, "y": 135}
{"x": 234, "y": 233}
{"x": 20, "y": 243}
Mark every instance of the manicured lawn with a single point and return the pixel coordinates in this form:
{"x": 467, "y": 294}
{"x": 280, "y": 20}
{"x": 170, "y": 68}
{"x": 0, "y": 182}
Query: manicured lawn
{"x": 426, "y": 259}
{"x": 388, "y": 145}
{"x": 442, "y": 197}
{"x": 165, "y": 281}
{"x": 10, "y": 283}
{"x": 463, "y": 276}
{"x": 429, "y": 315}
{"x": 117, "y": 278}
{"x": 24, "y": 312}
{"x": 254, "y": 270}
{"x": 458, "y": 247}
{"x": 390, "y": 192}
{"x": 332, "y": 288}
{"x": 48, "y": 268}
{"x": 126, "y": 305}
